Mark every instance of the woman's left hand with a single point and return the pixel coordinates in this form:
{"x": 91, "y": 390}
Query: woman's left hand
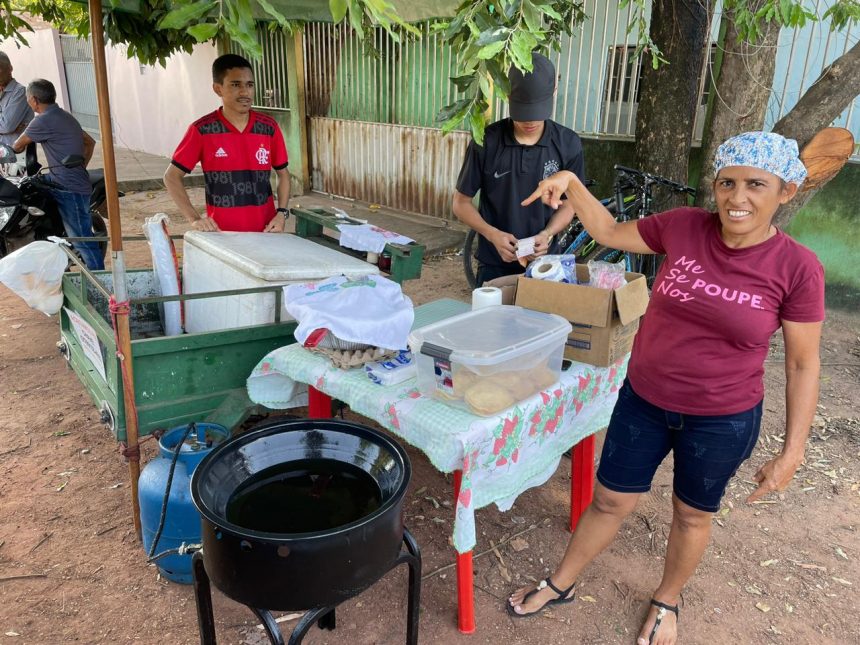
{"x": 774, "y": 475}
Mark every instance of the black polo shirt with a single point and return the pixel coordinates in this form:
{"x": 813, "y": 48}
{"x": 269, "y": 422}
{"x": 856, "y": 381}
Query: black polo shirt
{"x": 506, "y": 172}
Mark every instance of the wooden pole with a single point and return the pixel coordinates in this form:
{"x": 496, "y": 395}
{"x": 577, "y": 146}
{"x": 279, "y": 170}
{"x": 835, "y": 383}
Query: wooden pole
{"x": 297, "y": 105}
{"x": 117, "y": 257}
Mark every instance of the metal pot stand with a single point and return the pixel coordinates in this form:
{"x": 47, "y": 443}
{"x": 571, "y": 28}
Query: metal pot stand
{"x": 324, "y": 617}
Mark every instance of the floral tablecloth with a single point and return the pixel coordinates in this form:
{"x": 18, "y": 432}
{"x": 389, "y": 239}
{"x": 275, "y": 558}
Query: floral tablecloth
{"x": 500, "y": 456}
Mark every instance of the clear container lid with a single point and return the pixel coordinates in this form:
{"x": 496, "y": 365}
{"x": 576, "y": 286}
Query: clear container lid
{"x": 279, "y": 256}
{"x": 490, "y": 335}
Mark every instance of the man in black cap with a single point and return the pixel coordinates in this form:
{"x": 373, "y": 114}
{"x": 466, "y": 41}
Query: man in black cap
{"x": 517, "y": 154}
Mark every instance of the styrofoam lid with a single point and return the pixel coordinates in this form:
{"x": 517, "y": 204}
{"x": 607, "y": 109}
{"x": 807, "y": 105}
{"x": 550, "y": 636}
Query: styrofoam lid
{"x": 490, "y": 335}
{"x": 279, "y": 256}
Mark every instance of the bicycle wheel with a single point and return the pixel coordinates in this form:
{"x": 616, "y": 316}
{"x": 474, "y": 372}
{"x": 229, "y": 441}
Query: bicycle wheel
{"x": 564, "y": 239}
{"x": 650, "y": 268}
{"x": 605, "y": 254}
{"x": 470, "y": 261}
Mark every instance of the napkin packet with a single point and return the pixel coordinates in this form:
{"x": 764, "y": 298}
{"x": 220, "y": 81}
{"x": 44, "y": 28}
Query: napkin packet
{"x": 392, "y": 371}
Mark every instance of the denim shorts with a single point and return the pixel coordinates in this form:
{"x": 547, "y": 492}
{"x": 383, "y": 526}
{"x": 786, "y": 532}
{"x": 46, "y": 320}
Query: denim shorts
{"x": 707, "y": 449}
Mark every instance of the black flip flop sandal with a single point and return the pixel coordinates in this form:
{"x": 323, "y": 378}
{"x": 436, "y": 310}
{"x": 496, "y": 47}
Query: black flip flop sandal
{"x": 661, "y": 614}
{"x": 543, "y": 584}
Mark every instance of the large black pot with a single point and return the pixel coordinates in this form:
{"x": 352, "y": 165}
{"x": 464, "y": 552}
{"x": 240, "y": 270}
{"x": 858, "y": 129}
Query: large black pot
{"x": 299, "y": 571}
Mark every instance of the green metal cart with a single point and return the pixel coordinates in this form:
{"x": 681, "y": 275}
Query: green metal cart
{"x": 177, "y": 379}
{"x": 190, "y": 377}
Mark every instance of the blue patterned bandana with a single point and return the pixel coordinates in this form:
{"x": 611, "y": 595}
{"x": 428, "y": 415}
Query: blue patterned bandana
{"x": 765, "y": 150}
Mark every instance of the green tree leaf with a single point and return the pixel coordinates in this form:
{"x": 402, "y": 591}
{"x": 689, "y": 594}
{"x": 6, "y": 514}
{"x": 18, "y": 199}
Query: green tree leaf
{"x": 523, "y": 44}
{"x": 203, "y": 31}
{"x": 491, "y": 50}
{"x": 478, "y": 121}
{"x": 338, "y": 9}
{"x": 273, "y": 13}
{"x": 461, "y": 107}
{"x": 493, "y": 36}
{"x": 531, "y": 15}
{"x": 182, "y": 16}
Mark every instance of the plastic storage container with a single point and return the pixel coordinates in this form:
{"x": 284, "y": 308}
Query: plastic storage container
{"x": 489, "y": 359}
{"x": 220, "y": 261}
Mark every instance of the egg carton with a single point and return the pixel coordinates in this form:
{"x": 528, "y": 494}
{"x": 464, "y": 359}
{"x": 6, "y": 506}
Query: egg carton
{"x": 348, "y": 359}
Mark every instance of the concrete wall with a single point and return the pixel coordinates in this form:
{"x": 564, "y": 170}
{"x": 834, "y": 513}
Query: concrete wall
{"x": 830, "y": 225}
{"x": 41, "y": 59}
{"x": 152, "y": 106}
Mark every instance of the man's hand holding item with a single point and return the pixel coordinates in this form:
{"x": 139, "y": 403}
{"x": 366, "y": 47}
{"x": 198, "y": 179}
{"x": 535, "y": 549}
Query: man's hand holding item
{"x": 506, "y": 245}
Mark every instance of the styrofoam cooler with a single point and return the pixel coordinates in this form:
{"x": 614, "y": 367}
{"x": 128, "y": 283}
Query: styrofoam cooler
{"x": 220, "y": 261}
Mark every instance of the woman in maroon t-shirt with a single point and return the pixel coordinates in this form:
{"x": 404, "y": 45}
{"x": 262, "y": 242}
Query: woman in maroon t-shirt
{"x": 695, "y": 377}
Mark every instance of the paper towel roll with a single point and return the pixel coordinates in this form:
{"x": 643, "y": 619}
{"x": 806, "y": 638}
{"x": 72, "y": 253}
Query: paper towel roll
{"x": 486, "y": 297}
{"x": 551, "y": 270}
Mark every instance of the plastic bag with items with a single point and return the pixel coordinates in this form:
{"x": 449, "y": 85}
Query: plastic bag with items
{"x": 606, "y": 275}
{"x": 166, "y": 269}
{"x": 35, "y": 273}
{"x": 554, "y": 268}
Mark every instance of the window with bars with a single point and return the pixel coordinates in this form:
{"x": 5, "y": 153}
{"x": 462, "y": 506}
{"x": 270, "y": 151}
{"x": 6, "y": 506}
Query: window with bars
{"x": 622, "y": 89}
{"x": 270, "y": 72}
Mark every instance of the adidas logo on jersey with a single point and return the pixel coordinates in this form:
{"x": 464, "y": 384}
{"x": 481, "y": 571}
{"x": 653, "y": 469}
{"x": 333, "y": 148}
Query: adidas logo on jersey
{"x": 220, "y": 153}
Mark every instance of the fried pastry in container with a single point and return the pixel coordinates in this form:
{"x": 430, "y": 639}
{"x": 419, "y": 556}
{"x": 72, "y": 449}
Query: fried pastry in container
{"x": 487, "y": 398}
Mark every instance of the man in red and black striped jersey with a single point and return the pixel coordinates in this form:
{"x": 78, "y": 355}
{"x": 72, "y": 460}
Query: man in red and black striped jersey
{"x": 237, "y": 149}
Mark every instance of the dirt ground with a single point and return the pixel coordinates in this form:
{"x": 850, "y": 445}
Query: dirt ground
{"x": 785, "y": 570}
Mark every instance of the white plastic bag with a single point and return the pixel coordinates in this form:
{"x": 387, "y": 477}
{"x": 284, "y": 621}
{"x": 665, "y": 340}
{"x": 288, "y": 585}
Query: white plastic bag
{"x": 35, "y": 273}
{"x": 166, "y": 270}
{"x": 370, "y": 238}
{"x": 371, "y": 310}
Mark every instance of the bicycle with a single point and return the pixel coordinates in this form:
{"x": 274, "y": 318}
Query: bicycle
{"x": 632, "y": 188}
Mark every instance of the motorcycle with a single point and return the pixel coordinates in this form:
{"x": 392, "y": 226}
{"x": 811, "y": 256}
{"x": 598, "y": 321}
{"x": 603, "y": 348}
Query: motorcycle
{"x": 28, "y": 211}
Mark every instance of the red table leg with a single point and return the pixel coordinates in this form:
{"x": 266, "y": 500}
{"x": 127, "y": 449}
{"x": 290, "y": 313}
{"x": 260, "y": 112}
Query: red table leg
{"x": 581, "y": 479}
{"x": 465, "y": 584}
{"x": 319, "y": 404}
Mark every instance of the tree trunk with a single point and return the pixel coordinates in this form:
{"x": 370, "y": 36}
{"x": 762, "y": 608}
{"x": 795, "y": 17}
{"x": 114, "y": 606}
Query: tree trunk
{"x": 834, "y": 90}
{"x": 667, "y": 103}
{"x": 742, "y": 91}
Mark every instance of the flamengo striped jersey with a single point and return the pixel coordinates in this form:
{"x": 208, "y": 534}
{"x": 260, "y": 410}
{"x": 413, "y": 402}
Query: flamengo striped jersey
{"x": 237, "y": 167}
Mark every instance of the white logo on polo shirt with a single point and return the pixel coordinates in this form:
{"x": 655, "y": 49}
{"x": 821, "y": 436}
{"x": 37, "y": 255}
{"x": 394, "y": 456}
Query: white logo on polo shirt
{"x": 499, "y": 175}
{"x": 262, "y": 156}
{"x": 550, "y": 168}
{"x": 220, "y": 153}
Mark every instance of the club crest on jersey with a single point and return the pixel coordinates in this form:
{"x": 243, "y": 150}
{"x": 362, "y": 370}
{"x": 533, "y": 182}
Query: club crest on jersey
{"x": 262, "y": 156}
{"x": 550, "y": 168}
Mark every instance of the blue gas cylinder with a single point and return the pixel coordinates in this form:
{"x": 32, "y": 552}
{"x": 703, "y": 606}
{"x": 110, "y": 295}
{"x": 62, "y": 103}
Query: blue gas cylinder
{"x": 181, "y": 521}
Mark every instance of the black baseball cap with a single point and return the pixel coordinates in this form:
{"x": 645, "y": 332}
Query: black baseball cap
{"x": 532, "y": 92}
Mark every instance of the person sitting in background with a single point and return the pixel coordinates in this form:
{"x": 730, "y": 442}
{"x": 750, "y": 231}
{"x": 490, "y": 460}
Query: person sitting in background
{"x": 237, "y": 147}
{"x": 61, "y": 136}
{"x": 15, "y": 112}
{"x": 695, "y": 379}
{"x": 517, "y": 153}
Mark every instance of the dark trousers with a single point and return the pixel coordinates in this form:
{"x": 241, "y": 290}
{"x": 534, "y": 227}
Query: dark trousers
{"x": 75, "y": 211}
{"x": 487, "y": 272}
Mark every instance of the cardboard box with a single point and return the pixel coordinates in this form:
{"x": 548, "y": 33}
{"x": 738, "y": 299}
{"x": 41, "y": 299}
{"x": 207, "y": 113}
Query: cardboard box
{"x": 604, "y": 322}
{"x": 508, "y": 286}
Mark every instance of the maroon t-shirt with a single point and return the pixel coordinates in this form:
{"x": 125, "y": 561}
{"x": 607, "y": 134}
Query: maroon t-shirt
{"x": 237, "y": 167}
{"x": 704, "y": 338}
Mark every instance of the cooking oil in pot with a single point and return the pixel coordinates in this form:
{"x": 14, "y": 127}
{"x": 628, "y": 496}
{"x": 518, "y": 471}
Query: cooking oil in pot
{"x": 304, "y": 496}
